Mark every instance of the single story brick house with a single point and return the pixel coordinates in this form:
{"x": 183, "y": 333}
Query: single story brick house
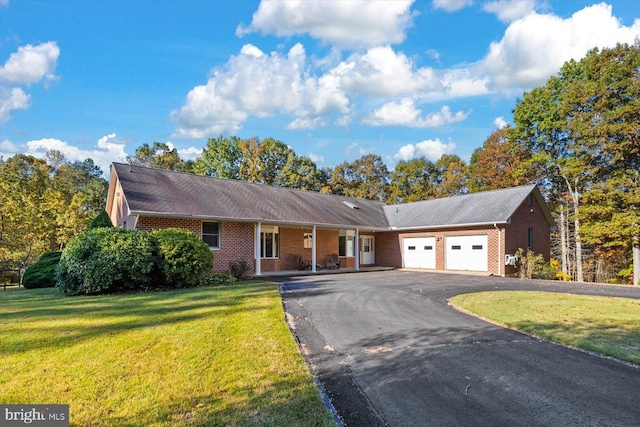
{"x": 276, "y": 229}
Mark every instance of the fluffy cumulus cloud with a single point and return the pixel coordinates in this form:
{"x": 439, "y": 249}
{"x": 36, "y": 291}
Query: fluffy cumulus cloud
{"x": 405, "y": 113}
{"x": 254, "y": 83}
{"x": 12, "y": 98}
{"x": 29, "y": 65}
{"x": 526, "y": 56}
{"x": 353, "y": 23}
{"x": 500, "y": 122}
{"x": 510, "y": 10}
{"x": 432, "y": 149}
{"x": 107, "y": 150}
{"x": 316, "y": 92}
{"x": 383, "y": 72}
{"x": 316, "y": 158}
{"x": 451, "y": 5}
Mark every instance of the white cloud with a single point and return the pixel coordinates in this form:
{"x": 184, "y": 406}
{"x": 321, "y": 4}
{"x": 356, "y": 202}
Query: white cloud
{"x": 257, "y": 84}
{"x": 107, "y": 150}
{"x": 8, "y": 149}
{"x": 527, "y": 56}
{"x": 405, "y": 113}
{"x": 347, "y": 23}
{"x": 382, "y": 72}
{"x": 500, "y": 122}
{"x": 31, "y": 64}
{"x": 190, "y": 153}
{"x": 316, "y": 158}
{"x": 306, "y": 123}
{"x": 432, "y": 149}
{"x": 12, "y": 99}
{"x": 451, "y": 5}
{"x": 510, "y": 10}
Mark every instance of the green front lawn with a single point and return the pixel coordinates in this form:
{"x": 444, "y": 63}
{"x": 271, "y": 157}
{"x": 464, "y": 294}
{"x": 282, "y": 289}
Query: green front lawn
{"x": 606, "y": 325}
{"x": 205, "y": 356}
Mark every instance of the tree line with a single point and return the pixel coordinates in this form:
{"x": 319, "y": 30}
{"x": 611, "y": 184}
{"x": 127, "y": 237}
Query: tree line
{"x": 577, "y": 137}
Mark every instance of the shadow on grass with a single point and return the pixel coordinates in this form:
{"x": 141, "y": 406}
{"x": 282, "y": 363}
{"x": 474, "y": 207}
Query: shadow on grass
{"x": 287, "y": 402}
{"x": 47, "y": 319}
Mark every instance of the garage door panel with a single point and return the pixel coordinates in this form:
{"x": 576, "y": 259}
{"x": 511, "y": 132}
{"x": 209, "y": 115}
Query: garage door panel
{"x": 419, "y": 252}
{"x": 467, "y": 253}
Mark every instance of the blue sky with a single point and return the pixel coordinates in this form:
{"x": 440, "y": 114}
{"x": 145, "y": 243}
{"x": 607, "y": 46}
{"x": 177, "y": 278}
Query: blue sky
{"x": 332, "y": 79}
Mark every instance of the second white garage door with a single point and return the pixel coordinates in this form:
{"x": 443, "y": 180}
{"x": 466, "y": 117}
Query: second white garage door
{"x": 419, "y": 252}
{"x": 467, "y": 253}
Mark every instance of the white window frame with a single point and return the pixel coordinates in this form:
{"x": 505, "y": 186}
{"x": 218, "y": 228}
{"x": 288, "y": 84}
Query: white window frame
{"x": 211, "y": 234}
{"x": 350, "y": 243}
{"x": 275, "y": 242}
{"x": 308, "y": 240}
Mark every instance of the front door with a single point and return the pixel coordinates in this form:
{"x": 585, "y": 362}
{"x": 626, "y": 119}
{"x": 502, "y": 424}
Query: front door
{"x": 367, "y": 253}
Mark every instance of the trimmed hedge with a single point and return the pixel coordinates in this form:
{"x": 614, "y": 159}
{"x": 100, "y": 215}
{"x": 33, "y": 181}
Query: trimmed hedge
{"x": 185, "y": 260}
{"x": 105, "y": 260}
{"x": 101, "y": 220}
{"x": 42, "y": 274}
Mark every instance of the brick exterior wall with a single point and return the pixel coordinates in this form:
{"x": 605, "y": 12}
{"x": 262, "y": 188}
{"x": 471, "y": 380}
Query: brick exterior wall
{"x": 389, "y": 246}
{"x": 517, "y": 233}
{"x": 237, "y": 240}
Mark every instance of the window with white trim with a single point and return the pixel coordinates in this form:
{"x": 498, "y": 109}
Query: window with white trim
{"x": 269, "y": 242}
{"x": 308, "y": 239}
{"x": 346, "y": 243}
{"x": 211, "y": 234}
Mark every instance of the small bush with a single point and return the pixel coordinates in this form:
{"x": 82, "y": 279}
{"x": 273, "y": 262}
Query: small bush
{"x": 219, "y": 279}
{"x": 532, "y": 266}
{"x": 108, "y": 260}
{"x": 185, "y": 260}
{"x": 239, "y": 269}
{"x": 101, "y": 220}
{"x": 42, "y": 274}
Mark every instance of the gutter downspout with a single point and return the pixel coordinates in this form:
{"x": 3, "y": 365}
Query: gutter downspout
{"x": 499, "y": 249}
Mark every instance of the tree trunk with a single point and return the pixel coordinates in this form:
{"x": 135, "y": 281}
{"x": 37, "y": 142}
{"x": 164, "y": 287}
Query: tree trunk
{"x": 575, "y": 198}
{"x": 563, "y": 242}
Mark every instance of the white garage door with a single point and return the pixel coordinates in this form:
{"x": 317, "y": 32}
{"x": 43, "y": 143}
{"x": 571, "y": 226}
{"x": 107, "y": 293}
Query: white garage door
{"x": 467, "y": 253}
{"x": 419, "y": 252}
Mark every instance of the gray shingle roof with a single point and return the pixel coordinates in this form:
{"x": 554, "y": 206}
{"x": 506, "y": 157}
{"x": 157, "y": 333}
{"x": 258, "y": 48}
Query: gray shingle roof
{"x": 476, "y": 208}
{"x": 160, "y": 192}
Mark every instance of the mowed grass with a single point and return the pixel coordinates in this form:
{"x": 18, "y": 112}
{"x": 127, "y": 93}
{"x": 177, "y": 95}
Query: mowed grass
{"x": 605, "y": 325}
{"x": 205, "y": 357}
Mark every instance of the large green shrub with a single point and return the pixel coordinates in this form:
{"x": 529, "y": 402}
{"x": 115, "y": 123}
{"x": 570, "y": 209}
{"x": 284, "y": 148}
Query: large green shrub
{"x": 42, "y": 274}
{"x": 185, "y": 260}
{"x": 106, "y": 260}
{"x": 101, "y": 220}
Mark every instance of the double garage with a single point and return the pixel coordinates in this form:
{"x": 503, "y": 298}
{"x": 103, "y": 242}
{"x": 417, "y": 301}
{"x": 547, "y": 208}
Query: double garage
{"x": 460, "y": 252}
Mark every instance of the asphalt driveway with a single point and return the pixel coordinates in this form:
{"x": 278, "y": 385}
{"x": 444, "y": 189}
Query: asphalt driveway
{"x": 389, "y": 351}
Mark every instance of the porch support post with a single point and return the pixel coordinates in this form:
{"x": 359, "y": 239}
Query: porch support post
{"x": 357, "y": 243}
{"x": 313, "y": 249}
{"x": 257, "y": 249}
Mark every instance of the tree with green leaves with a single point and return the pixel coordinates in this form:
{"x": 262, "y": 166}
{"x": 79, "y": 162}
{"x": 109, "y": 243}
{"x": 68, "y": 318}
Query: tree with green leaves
{"x": 159, "y": 155}
{"x": 221, "y": 158}
{"x": 452, "y": 174}
{"x": 365, "y": 178}
{"x": 412, "y": 180}
{"x": 582, "y": 128}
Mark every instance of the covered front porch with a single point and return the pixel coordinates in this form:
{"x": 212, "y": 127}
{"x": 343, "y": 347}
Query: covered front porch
{"x": 287, "y": 249}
